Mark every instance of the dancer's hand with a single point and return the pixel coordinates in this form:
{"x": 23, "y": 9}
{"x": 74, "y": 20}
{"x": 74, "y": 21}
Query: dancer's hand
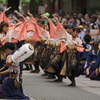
{"x": 29, "y": 14}
{"x": 7, "y": 9}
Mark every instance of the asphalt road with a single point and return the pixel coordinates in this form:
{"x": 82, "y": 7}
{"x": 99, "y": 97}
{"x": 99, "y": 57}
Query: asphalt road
{"x": 40, "y": 88}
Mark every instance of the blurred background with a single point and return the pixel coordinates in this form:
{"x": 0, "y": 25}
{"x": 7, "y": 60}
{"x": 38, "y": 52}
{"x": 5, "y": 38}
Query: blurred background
{"x": 41, "y": 6}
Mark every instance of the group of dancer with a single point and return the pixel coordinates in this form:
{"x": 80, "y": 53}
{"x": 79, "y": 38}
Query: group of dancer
{"x": 62, "y": 48}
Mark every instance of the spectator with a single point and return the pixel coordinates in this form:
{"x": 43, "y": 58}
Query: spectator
{"x": 98, "y": 20}
{"x": 82, "y": 33}
{"x": 87, "y": 31}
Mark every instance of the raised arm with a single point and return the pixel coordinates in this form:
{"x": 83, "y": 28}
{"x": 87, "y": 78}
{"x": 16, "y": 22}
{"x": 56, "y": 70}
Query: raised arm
{"x": 29, "y": 14}
{"x": 19, "y": 13}
{"x": 43, "y": 16}
{"x": 54, "y": 17}
{"x": 7, "y": 9}
{"x": 33, "y": 22}
{"x": 16, "y": 19}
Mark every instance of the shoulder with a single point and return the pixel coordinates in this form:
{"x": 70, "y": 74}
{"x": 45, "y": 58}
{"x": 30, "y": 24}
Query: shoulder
{"x": 9, "y": 60}
{"x": 84, "y": 44}
{"x": 68, "y": 35}
{"x": 88, "y": 47}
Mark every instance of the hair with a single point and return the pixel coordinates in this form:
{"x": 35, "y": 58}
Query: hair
{"x": 86, "y": 24}
{"x": 87, "y": 38}
{"x": 74, "y": 17}
{"x": 9, "y": 45}
{"x": 67, "y": 26}
{"x": 76, "y": 29}
{"x": 2, "y": 24}
{"x": 95, "y": 46}
{"x": 89, "y": 15}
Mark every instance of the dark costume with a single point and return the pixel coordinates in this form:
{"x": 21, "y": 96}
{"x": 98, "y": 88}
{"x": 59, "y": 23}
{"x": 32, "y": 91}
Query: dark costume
{"x": 91, "y": 61}
{"x": 70, "y": 65}
{"x": 54, "y": 65}
{"x": 93, "y": 75}
{"x": 12, "y": 86}
{"x": 83, "y": 56}
{"x": 2, "y": 62}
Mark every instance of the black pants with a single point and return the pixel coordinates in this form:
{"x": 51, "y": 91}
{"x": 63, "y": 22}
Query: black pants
{"x": 57, "y": 68}
{"x": 72, "y": 77}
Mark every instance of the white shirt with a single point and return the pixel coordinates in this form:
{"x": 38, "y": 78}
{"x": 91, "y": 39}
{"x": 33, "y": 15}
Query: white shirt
{"x": 71, "y": 41}
{"x": 8, "y": 37}
{"x": 14, "y": 67}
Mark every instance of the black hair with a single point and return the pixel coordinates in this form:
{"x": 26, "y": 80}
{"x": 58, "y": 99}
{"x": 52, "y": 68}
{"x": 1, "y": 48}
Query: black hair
{"x": 67, "y": 26}
{"x": 87, "y": 38}
{"x": 9, "y": 45}
{"x": 76, "y": 29}
{"x": 86, "y": 24}
{"x": 74, "y": 17}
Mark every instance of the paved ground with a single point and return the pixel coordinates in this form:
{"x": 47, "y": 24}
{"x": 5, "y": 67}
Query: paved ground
{"x": 40, "y": 88}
